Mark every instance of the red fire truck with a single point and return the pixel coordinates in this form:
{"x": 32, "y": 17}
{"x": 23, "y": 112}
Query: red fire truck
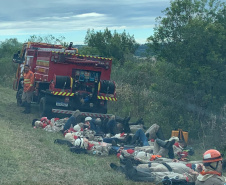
{"x": 65, "y": 80}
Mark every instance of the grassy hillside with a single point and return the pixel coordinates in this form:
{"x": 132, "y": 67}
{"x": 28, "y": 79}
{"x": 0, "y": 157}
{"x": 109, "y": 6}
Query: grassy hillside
{"x": 29, "y": 156}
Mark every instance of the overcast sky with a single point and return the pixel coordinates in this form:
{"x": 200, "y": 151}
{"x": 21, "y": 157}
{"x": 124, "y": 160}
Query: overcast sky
{"x": 71, "y": 18}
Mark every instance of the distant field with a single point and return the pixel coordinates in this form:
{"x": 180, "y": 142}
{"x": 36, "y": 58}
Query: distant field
{"x": 29, "y": 156}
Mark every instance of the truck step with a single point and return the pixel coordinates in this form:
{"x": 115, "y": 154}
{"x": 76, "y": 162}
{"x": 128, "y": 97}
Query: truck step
{"x": 97, "y": 115}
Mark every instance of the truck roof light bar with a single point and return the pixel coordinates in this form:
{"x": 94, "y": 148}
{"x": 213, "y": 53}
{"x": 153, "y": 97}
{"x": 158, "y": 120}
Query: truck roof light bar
{"x": 86, "y": 56}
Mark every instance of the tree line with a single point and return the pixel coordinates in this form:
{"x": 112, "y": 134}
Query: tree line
{"x": 181, "y": 82}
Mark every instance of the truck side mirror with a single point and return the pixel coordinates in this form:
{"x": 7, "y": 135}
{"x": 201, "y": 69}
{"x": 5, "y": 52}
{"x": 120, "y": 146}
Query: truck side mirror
{"x": 17, "y": 59}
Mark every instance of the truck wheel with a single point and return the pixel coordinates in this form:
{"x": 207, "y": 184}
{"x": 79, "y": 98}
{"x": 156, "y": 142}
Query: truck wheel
{"x": 19, "y": 97}
{"x": 44, "y": 109}
{"x": 103, "y": 109}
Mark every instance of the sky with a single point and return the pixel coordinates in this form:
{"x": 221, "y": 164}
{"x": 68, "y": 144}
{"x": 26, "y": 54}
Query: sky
{"x": 72, "y": 18}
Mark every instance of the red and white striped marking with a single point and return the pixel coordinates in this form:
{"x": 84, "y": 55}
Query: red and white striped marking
{"x": 97, "y": 115}
{"x": 59, "y": 111}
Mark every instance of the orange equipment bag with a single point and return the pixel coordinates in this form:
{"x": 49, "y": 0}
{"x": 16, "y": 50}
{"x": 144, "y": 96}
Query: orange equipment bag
{"x": 182, "y": 135}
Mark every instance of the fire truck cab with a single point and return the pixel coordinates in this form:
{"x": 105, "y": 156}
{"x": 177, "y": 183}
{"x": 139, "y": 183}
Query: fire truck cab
{"x": 65, "y": 80}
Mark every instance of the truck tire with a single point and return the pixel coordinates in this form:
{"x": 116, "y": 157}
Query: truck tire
{"x": 103, "y": 109}
{"x": 19, "y": 97}
{"x": 44, "y": 109}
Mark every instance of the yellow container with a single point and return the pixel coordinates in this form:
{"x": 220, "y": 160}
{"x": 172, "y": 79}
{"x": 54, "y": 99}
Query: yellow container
{"x": 175, "y": 133}
{"x": 182, "y": 135}
{"x": 185, "y": 134}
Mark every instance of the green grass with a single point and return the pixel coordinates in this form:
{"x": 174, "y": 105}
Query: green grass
{"x": 29, "y": 156}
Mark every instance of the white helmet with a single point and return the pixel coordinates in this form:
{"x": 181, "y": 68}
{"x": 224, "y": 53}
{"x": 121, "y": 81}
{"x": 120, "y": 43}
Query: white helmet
{"x": 143, "y": 156}
{"x": 79, "y": 143}
{"x": 77, "y": 128}
{"x": 88, "y": 119}
{"x": 38, "y": 123}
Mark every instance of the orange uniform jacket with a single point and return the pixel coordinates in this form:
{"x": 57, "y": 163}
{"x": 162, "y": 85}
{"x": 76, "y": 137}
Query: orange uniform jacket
{"x": 28, "y": 81}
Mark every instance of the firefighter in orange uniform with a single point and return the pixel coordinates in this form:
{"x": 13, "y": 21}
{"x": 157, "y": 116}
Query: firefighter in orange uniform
{"x": 28, "y": 88}
{"x": 212, "y": 173}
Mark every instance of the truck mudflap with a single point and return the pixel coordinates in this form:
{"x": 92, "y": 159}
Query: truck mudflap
{"x": 97, "y": 115}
